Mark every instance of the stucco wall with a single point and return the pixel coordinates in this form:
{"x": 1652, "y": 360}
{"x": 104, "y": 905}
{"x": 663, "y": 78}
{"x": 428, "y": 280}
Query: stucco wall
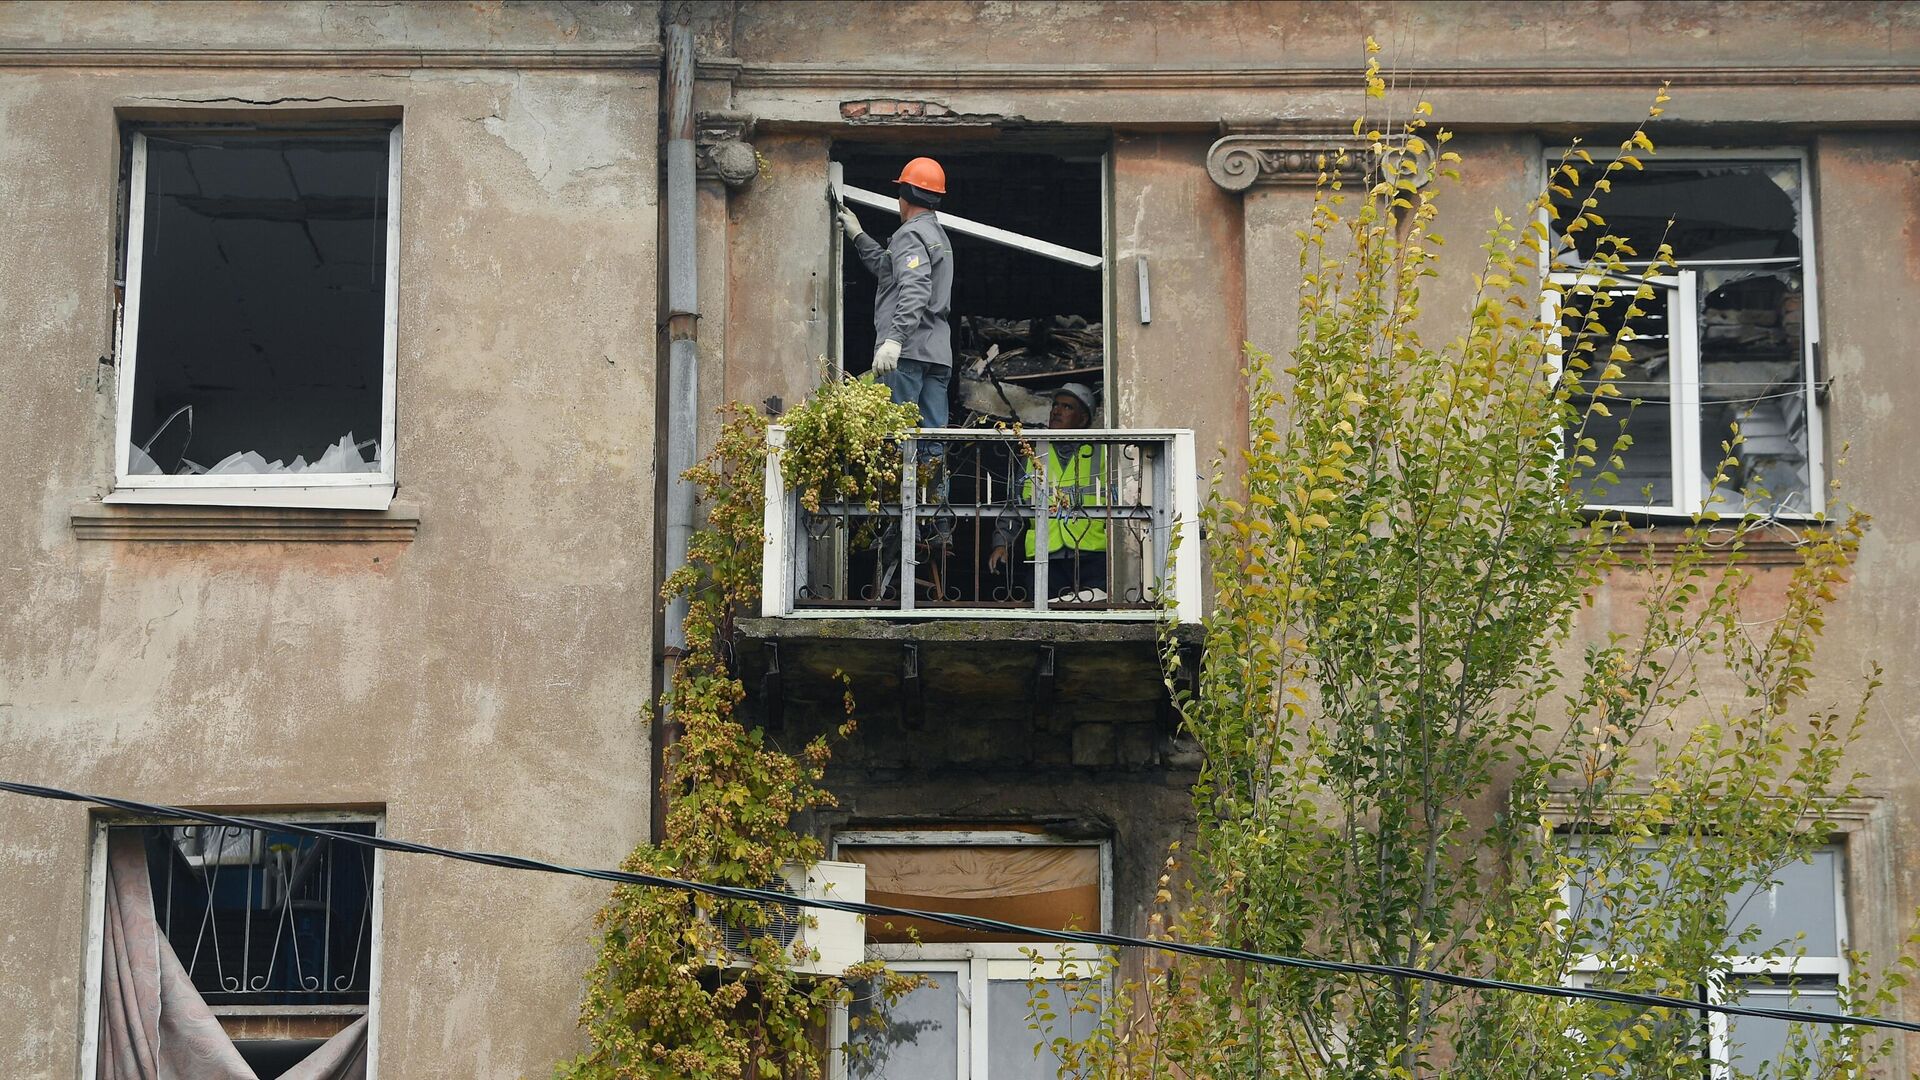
{"x": 487, "y": 683}
{"x": 1512, "y": 78}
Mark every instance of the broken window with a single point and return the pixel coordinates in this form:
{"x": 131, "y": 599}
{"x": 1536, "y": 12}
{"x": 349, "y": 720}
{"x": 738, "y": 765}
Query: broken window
{"x": 1724, "y": 352}
{"x": 259, "y": 943}
{"x": 1030, "y": 260}
{"x": 256, "y": 340}
{"x": 990, "y": 1005}
{"x": 1051, "y": 522}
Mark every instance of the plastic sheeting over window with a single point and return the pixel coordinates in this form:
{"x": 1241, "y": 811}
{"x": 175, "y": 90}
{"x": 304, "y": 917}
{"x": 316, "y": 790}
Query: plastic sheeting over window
{"x": 1042, "y": 886}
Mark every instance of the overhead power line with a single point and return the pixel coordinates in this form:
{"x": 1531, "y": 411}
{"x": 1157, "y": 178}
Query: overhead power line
{"x": 966, "y": 922}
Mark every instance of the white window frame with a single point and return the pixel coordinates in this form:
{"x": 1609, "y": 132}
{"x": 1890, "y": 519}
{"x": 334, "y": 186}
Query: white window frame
{"x": 342, "y": 491}
{"x": 1683, "y": 373}
{"x": 1690, "y": 494}
{"x": 1587, "y": 966}
{"x": 89, "y": 1057}
{"x": 977, "y": 964}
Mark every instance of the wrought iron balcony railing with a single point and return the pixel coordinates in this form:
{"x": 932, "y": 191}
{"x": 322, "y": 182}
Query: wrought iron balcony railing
{"x": 1100, "y": 523}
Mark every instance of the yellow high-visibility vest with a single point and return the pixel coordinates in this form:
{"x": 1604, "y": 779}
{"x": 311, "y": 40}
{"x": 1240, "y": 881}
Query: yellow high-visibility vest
{"x": 1076, "y": 482}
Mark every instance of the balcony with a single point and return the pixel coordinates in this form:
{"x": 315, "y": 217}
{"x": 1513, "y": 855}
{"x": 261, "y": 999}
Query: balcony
{"x": 1117, "y": 510}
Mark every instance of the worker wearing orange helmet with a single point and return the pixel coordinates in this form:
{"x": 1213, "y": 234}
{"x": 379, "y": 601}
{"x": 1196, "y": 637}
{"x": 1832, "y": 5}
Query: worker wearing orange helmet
{"x": 914, "y": 355}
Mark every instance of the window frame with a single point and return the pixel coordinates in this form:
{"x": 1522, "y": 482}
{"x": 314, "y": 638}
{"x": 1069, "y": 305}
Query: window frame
{"x": 1686, "y": 426}
{"x": 1586, "y": 966}
{"x": 978, "y": 963}
{"x": 342, "y": 491}
{"x": 96, "y": 886}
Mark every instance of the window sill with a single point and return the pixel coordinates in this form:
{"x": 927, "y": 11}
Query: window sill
{"x": 358, "y": 495}
{"x": 399, "y": 523}
{"x": 1662, "y": 544}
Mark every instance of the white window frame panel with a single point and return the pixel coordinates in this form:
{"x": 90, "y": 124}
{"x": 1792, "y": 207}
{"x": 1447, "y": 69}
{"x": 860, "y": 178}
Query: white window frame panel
{"x": 1810, "y": 323}
{"x": 340, "y": 491}
{"x": 978, "y": 963}
{"x": 89, "y": 1057}
{"x": 1587, "y": 966}
{"x": 1683, "y": 373}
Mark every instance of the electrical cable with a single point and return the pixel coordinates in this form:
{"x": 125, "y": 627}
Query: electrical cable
{"x": 968, "y": 922}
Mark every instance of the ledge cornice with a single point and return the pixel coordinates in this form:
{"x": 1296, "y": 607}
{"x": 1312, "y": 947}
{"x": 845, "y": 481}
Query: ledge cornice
{"x": 1091, "y": 77}
{"x": 520, "y": 59}
{"x": 399, "y": 523}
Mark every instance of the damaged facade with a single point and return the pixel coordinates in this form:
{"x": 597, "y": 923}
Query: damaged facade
{"x": 338, "y": 397}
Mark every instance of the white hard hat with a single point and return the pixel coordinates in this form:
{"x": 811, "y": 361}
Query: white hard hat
{"x": 1080, "y": 392}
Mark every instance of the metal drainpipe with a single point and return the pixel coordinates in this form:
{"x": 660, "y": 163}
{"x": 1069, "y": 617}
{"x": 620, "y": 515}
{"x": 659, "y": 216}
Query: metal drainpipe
{"x": 683, "y": 374}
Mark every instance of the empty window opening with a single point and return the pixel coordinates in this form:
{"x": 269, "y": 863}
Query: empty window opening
{"x": 255, "y": 338}
{"x": 1041, "y": 319}
{"x": 1030, "y": 345}
{"x": 1723, "y": 353}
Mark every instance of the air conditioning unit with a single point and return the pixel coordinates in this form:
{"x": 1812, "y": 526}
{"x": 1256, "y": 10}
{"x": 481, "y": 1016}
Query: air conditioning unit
{"x": 815, "y": 941}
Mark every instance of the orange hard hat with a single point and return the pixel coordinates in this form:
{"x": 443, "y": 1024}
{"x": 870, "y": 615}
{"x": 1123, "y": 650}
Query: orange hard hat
{"x": 925, "y": 174}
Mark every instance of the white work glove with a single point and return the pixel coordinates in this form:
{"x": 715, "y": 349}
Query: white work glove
{"x": 886, "y": 358}
{"x": 850, "y": 222}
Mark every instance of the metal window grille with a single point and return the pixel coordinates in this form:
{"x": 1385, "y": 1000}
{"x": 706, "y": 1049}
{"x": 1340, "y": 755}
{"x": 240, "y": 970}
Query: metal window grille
{"x": 264, "y": 918}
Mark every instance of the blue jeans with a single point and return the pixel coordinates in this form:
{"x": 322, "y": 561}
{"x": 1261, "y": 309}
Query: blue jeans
{"x": 919, "y": 383}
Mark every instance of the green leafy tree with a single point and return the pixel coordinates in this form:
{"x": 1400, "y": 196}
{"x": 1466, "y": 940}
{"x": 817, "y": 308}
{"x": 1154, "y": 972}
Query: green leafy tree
{"x": 1417, "y": 750}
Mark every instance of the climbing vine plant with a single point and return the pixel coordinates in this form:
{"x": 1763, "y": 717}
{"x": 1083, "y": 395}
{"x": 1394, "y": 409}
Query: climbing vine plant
{"x": 656, "y": 1004}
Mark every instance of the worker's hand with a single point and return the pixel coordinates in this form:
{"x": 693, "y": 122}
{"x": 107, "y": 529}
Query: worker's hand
{"x": 850, "y": 222}
{"x": 997, "y": 558}
{"x": 886, "y": 358}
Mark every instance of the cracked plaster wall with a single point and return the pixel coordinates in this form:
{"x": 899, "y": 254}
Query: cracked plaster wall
{"x": 498, "y": 658}
{"x": 487, "y": 683}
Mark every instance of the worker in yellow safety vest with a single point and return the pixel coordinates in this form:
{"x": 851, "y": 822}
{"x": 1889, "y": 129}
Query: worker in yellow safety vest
{"x": 1076, "y": 528}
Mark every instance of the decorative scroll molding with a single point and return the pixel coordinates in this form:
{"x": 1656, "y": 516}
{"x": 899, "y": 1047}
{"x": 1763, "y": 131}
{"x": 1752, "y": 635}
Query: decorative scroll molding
{"x": 644, "y": 57}
{"x": 721, "y": 149}
{"x": 399, "y": 523}
{"x": 1238, "y": 162}
{"x": 1098, "y": 78}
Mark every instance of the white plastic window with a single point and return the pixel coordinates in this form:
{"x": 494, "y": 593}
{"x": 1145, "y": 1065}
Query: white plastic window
{"x": 1803, "y": 914}
{"x": 1727, "y": 346}
{"x": 987, "y": 1009}
{"x": 257, "y": 333}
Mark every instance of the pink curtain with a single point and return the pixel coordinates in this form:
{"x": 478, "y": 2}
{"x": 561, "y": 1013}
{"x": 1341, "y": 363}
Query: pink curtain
{"x": 154, "y": 1025}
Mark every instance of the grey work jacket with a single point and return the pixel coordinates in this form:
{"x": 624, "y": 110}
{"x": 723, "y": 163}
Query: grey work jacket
{"x": 916, "y": 289}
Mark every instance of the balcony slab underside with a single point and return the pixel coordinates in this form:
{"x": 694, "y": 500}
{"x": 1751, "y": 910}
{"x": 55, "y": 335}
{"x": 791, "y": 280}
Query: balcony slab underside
{"x": 957, "y": 668}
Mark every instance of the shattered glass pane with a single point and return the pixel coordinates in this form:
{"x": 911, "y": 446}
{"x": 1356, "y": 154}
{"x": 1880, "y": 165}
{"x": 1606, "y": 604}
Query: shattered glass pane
{"x": 1752, "y": 375}
{"x": 1718, "y": 210}
{"x": 260, "y": 346}
{"x": 1643, "y": 411}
